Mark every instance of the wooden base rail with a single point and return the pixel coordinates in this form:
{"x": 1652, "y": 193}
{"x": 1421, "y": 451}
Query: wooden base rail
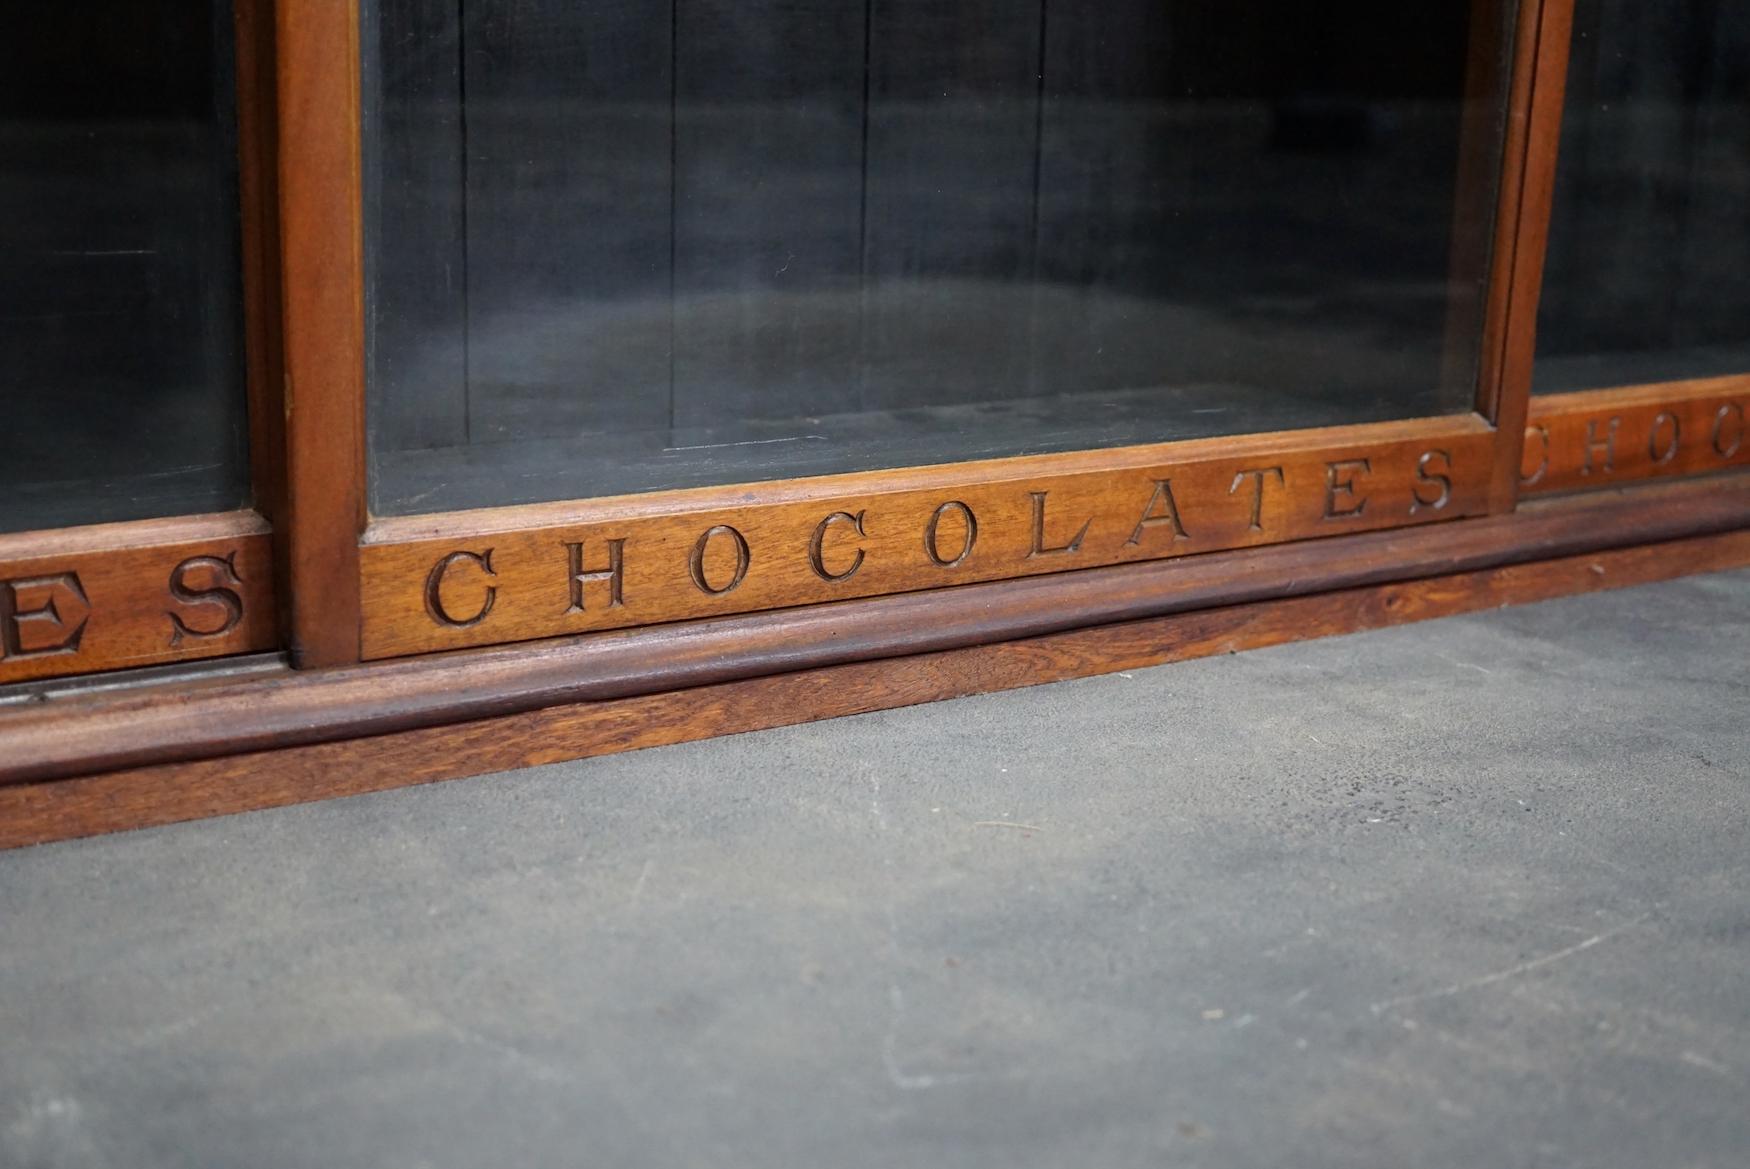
{"x": 109, "y": 732}
{"x": 36, "y": 813}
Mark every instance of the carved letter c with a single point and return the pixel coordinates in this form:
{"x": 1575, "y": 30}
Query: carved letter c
{"x": 817, "y": 546}
{"x": 434, "y": 601}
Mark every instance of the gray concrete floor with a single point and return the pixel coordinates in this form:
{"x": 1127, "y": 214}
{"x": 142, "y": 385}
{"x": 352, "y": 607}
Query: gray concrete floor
{"x": 1469, "y": 893}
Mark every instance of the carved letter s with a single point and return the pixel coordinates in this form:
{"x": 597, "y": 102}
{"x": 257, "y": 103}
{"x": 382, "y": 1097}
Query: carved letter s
{"x": 1440, "y": 481}
{"x": 223, "y": 594}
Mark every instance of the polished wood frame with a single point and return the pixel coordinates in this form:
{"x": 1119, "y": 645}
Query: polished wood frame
{"x": 321, "y": 215}
{"x": 434, "y": 646}
{"x": 512, "y": 574}
{"x": 1601, "y": 438}
{"x": 149, "y": 592}
{"x": 145, "y": 593}
{"x": 1540, "y": 70}
{"x": 376, "y": 589}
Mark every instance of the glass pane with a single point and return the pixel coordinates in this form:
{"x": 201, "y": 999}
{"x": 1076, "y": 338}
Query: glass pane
{"x": 120, "y": 298}
{"x": 1650, "y": 237}
{"x": 639, "y": 244}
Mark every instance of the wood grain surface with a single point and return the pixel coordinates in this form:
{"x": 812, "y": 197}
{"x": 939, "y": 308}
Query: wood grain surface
{"x": 514, "y": 574}
{"x": 1602, "y": 438}
{"x": 116, "y": 596}
{"x": 40, "y": 812}
{"x": 128, "y": 728}
{"x": 322, "y": 265}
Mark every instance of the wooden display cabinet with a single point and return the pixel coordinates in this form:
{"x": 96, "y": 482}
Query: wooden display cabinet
{"x": 357, "y": 650}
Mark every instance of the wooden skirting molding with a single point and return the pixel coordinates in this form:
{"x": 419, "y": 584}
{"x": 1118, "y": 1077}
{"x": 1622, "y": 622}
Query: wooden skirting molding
{"x": 98, "y": 763}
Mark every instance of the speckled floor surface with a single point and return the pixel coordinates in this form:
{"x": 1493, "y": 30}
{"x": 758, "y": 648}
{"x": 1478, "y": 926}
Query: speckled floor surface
{"x": 1468, "y": 893}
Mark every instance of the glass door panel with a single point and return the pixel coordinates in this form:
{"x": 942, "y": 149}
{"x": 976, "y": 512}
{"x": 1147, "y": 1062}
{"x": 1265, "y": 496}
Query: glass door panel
{"x": 121, "y": 365}
{"x": 634, "y": 245}
{"x": 1650, "y": 235}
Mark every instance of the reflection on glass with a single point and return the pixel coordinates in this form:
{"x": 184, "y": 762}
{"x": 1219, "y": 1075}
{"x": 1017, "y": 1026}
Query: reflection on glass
{"x": 120, "y": 298}
{"x": 1650, "y": 236}
{"x": 639, "y": 244}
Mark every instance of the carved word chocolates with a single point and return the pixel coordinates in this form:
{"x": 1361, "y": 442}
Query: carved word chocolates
{"x": 641, "y": 568}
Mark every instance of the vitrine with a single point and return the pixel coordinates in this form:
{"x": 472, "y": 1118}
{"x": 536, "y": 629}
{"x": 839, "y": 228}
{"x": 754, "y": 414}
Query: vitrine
{"x": 479, "y": 383}
{"x": 685, "y": 309}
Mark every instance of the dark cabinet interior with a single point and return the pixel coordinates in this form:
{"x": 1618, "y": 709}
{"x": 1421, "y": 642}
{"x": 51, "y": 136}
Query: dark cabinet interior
{"x": 631, "y": 245}
{"x": 1650, "y": 236}
{"x": 120, "y": 298}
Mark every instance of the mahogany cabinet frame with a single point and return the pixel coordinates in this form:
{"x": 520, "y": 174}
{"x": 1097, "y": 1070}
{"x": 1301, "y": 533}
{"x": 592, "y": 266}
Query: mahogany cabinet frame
{"x": 151, "y": 592}
{"x": 516, "y": 636}
{"x": 364, "y": 589}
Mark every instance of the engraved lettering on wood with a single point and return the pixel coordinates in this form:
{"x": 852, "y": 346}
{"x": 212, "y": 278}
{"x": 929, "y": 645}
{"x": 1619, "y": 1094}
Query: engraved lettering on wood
{"x": 42, "y": 616}
{"x": 640, "y": 563}
{"x": 1536, "y": 438}
{"x": 614, "y": 574}
{"x": 1341, "y": 481}
{"x": 1257, "y": 477}
{"x": 207, "y": 588}
{"x": 434, "y": 587}
{"x": 817, "y": 546}
{"x": 1162, "y": 498}
{"x": 933, "y": 529}
{"x": 1662, "y": 453}
{"x": 1432, "y": 489}
{"x": 1586, "y": 440}
{"x": 743, "y": 558}
{"x": 1607, "y": 444}
{"x": 1039, "y": 547}
{"x": 1728, "y": 430}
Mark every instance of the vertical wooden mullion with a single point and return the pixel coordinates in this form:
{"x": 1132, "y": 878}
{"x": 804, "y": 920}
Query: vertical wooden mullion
{"x": 1528, "y": 171}
{"x": 321, "y": 233}
{"x": 257, "y": 162}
